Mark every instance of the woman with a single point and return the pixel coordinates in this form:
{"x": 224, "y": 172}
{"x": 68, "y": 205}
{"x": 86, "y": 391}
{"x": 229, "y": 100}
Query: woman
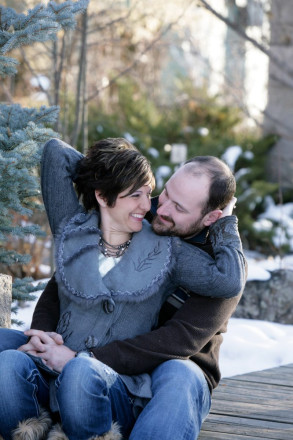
{"x": 125, "y": 278}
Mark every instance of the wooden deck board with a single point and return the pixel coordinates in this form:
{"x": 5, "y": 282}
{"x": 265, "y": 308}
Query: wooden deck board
{"x": 252, "y": 406}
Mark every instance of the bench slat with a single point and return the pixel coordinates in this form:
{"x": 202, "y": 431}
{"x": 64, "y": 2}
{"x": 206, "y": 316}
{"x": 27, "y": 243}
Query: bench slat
{"x": 252, "y": 406}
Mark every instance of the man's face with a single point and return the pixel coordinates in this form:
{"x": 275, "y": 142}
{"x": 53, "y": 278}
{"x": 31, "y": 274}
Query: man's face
{"x": 180, "y": 205}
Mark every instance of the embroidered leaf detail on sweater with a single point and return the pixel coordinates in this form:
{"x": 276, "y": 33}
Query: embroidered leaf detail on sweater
{"x": 91, "y": 342}
{"x": 145, "y": 263}
{"x": 63, "y": 325}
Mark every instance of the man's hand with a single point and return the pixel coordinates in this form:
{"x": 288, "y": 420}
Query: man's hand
{"x": 49, "y": 347}
{"x": 228, "y": 210}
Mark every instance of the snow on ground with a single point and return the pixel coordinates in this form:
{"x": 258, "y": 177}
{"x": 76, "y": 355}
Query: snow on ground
{"x": 249, "y": 345}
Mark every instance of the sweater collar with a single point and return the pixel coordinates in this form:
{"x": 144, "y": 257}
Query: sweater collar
{"x": 147, "y": 263}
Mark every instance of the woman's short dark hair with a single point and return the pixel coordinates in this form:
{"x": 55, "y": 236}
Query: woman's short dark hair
{"x": 111, "y": 166}
{"x": 222, "y": 181}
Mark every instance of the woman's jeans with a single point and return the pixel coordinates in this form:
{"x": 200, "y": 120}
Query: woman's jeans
{"x": 90, "y": 395}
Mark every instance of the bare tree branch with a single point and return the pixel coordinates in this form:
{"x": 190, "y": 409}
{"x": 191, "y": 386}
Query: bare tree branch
{"x": 287, "y": 82}
{"x": 6, "y": 92}
{"x": 280, "y": 124}
{"x": 284, "y": 67}
{"x": 143, "y": 52}
{"x": 110, "y": 23}
{"x": 35, "y": 75}
{"x": 59, "y": 69}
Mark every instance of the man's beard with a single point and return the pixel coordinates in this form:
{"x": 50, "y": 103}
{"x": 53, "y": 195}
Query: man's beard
{"x": 173, "y": 230}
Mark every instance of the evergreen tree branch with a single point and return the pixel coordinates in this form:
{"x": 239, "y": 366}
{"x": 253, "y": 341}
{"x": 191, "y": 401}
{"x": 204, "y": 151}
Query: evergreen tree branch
{"x": 23, "y": 131}
{"x": 41, "y": 24}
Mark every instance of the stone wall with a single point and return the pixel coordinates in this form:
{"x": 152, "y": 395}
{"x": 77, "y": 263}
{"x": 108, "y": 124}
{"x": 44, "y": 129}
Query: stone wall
{"x": 5, "y": 300}
{"x": 270, "y": 300}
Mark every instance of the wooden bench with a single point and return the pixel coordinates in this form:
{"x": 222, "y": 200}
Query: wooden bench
{"x": 252, "y": 406}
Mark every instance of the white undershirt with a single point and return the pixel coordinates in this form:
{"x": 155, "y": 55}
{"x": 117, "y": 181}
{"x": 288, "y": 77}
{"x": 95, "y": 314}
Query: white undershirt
{"x": 107, "y": 263}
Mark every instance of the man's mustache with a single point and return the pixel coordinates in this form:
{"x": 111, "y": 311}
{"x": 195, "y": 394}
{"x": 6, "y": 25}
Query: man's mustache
{"x": 168, "y": 219}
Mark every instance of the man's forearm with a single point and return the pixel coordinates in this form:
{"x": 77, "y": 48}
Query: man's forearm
{"x": 182, "y": 337}
{"x": 46, "y": 313}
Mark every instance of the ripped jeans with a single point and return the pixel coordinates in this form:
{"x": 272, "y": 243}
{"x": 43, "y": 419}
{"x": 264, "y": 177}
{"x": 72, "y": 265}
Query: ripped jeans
{"x": 90, "y": 396}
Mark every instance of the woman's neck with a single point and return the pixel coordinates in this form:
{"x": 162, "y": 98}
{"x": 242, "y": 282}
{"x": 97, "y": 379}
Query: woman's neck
{"x": 115, "y": 237}
{"x": 111, "y": 230}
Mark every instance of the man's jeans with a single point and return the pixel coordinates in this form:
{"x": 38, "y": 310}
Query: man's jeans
{"x": 181, "y": 401}
{"x": 181, "y": 397}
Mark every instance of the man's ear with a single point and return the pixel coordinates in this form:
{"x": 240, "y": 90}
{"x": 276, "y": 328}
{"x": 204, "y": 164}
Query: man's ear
{"x": 101, "y": 201}
{"x": 212, "y": 217}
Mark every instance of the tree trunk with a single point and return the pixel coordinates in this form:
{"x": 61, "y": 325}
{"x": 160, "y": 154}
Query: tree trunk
{"x": 84, "y": 125}
{"x": 80, "y": 82}
{"x": 279, "y": 111}
{"x": 5, "y": 300}
{"x": 235, "y": 50}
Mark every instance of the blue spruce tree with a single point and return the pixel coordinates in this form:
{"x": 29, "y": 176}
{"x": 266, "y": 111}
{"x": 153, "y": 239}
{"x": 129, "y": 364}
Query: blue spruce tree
{"x": 23, "y": 131}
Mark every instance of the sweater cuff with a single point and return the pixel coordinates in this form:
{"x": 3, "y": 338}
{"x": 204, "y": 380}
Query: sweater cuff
{"x": 224, "y": 231}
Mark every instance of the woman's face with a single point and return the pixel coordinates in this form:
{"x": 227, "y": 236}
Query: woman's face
{"x": 128, "y": 212}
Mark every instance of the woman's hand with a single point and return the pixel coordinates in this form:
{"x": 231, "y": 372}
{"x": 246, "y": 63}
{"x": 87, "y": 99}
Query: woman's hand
{"x": 228, "y": 210}
{"x": 35, "y": 344}
{"x": 49, "y": 347}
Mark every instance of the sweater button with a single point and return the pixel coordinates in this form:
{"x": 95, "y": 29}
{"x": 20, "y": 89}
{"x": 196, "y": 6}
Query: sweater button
{"x": 109, "y": 306}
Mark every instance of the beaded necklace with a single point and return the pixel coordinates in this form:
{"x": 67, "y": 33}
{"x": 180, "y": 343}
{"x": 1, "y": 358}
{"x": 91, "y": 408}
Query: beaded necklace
{"x": 111, "y": 250}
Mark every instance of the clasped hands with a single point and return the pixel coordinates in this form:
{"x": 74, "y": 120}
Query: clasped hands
{"x": 49, "y": 347}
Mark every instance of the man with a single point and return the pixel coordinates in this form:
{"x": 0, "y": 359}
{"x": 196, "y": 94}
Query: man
{"x": 182, "y": 354}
